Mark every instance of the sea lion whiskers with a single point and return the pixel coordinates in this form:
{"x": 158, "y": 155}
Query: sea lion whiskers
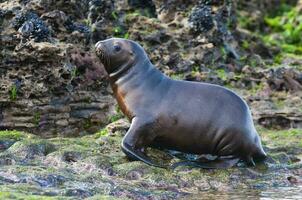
{"x": 105, "y": 57}
{"x": 102, "y": 54}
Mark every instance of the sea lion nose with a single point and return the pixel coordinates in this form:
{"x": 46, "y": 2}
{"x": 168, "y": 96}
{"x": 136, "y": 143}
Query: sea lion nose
{"x": 98, "y": 45}
{"x": 99, "y": 48}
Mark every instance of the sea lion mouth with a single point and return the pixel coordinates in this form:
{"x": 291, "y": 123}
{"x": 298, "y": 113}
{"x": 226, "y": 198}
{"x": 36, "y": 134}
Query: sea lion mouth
{"x": 101, "y": 53}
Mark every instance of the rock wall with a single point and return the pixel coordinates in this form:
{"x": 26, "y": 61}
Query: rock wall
{"x": 52, "y": 84}
{"x": 44, "y": 91}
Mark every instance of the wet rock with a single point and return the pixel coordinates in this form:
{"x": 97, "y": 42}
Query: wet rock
{"x": 281, "y": 158}
{"x": 22, "y": 17}
{"x": 134, "y": 175}
{"x": 29, "y": 25}
{"x": 279, "y": 120}
{"x": 294, "y": 159}
{"x": 71, "y": 156}
{"x": 28, "y": 150}
{"x": 287, "y": 79}
{"x": 78, "y": 193}
{"x": 9, "y": 178}
{"x": 204, "y": 20}
{"x": 202, "y": 185}
{"x": 77, "y": 9}
{"x": 70, "y": 26}
{"x": 101, "y": 16}
{"x": 7, "y": 160}
{"x": 168, "y": 10}
{"x": 277, "y": 114}
{"x": 158, "y": 38}
{"x": 56, "y": 19}
{"x": 88, "y": 65}
{"x": 99, "y": 10}
{"x": 1, "y": 13}
{"x": 5, "y": 144}
{"x": 201, "y": 19}
{"x": 50, "y": 180}
{"x": 293, "y": 180}
{"x": 44, "y": 103}
{"x": 147, "y": 7}
{"x": 118, "y": 127}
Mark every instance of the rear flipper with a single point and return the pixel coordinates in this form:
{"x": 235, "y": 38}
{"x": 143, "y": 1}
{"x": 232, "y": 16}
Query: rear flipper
{"x": 219, "y": 163}
{"x": 258, "y": 157}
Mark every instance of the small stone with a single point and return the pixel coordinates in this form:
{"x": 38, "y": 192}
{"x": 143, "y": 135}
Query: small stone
{"x": 62, "y": 123}
{"x": 29, "y": 25}
{"x": 293, "y": 179}
{"x": 9, "y": 178}
{"x": 201, "y": 19}
{"x": 71, "y": 156}
{"x": 5, "y": 144}
{"x": 134, "y": 175}
{"x": 202, "y": 185}
{"x": 78, "y": 193}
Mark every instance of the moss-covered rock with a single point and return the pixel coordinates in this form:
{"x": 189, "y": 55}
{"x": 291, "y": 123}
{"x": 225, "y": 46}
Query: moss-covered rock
{"x": 94, "y": 166}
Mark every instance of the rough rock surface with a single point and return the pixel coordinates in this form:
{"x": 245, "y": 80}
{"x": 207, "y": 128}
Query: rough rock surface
{"x": 49, "y": 84}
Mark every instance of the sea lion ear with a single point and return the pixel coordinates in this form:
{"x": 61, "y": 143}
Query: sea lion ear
{"x": 131, "y": 52}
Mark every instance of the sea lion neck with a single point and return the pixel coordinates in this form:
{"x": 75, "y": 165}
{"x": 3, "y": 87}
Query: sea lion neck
{"x": 121, "y": 70}
{"x": 133, "y": 77}
{"x": 128, "y": 69}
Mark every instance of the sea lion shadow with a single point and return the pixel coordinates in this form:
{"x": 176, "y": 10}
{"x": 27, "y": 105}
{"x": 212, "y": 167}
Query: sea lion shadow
{"x": 175, "y": 159}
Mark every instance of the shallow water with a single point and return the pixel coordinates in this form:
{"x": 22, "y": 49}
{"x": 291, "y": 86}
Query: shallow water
{"x": 282, "y": 193}
{"x": 294, "y": 192}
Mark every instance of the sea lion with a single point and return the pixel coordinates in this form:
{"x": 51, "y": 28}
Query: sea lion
{"x": 190, "y": 117}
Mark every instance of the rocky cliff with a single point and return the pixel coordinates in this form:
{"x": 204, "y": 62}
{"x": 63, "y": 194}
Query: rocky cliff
{"x": 52, "y": 84}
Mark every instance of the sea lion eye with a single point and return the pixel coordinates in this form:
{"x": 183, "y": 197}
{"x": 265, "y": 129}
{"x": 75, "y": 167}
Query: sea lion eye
{"x": 117, "y": 48}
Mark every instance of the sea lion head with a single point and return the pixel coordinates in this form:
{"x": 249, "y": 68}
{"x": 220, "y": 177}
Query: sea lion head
{"x": 117, "y": 53}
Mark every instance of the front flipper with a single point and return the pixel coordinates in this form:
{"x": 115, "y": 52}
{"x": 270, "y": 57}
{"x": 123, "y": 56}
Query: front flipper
{"x": 219, "y": 163}
{"x": 139, "y": 135}
{"x": 138, "y": 155}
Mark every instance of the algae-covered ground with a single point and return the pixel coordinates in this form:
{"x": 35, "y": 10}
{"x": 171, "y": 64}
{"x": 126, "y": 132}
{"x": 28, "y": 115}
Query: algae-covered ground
{"x": 94, "y": 167}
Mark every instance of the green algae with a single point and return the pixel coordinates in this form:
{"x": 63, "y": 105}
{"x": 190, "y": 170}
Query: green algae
{"x": 116, "y": 116}
{"x": 221, "y": 73}
{"x": 103, "y": 197}
{"x": 285, "y": 138}
{"x": 15, "y": 135}
{"x": 287, "y": 30}
{"x": 13, "y": 93}
{"x": 177, "y": 76}
{"x": 256, "y": 88}
{"x": 245, "y": 44}
{"x": 37, "y": 146}
{"x": 20, "y": 196}
{"x": 101, "y": 133}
